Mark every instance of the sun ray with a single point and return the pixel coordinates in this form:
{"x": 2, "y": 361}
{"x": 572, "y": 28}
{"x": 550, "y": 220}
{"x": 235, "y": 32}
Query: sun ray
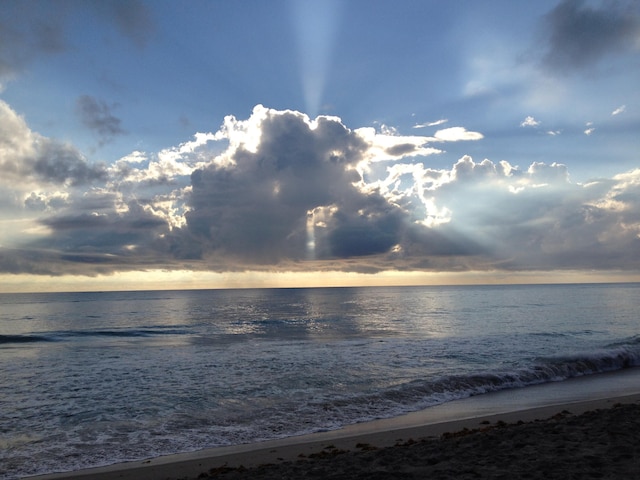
{"x": 315, "y": 24}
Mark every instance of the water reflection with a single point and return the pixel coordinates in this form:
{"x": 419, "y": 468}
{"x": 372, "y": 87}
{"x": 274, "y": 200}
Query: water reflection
{"x": 321, "y": 313}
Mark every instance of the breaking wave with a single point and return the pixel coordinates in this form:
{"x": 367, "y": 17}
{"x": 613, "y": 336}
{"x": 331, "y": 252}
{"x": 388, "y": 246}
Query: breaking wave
{"x": 425, "y": 393}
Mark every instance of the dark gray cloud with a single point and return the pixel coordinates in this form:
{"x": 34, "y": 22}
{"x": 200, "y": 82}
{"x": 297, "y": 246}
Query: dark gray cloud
{"x": 63, "y": 163}
{"x": 46, "y": 261}
{"x": 86, "y": 236}
{"x": 97, "y": 115}
{"x": 580, "y": 34}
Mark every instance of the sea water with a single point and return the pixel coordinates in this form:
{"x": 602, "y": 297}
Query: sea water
{"x": 89, "y": 379}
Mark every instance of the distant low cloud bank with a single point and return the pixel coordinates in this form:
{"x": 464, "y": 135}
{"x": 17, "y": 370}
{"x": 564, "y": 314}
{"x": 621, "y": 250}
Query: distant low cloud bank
{"x": 281, "y": 191}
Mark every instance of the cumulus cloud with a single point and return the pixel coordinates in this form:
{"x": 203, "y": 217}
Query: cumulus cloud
{"x": 535, "y": 218}
{"x": 579, "y": 34}
{"x": 255, "y": 206}
{"x": 281, "y": 191}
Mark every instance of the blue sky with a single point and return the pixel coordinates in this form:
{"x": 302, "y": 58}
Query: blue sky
{"x": 215, "y": 143}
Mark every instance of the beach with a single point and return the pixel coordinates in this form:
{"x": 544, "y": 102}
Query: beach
{"x": 596, "y": 444}
{"x": 503, "y": 435}
{"x": 175, "y": 384}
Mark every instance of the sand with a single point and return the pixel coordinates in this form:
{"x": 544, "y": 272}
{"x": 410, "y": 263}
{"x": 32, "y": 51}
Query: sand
{"x": 518, "y": 434}
{"x": 595, "y": 444}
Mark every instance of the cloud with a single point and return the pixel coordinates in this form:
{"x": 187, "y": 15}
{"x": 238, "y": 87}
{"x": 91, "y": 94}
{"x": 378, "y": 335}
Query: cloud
{"x": 46, "y": 201}
{"x": 432, "y": 124}
{"x": 131, "y": 17}
{"x": 96, "y": 115}
{"x": 456, "y": 134}
{"x": 255, "y": 205}
{"x": 282, "y": 192}
{"x": 536, "y": 218}
{"x": 619, "y": 110}
{"x": 24, "y": 36}
{"x": 579, "y": 35}
{"x": 529, "y": 122}
{"x": 29, "y": 30}
{"x": 26, "y": 156}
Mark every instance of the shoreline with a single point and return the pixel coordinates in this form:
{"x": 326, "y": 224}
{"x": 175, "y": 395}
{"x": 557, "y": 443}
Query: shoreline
{"x": 528, "y": 404}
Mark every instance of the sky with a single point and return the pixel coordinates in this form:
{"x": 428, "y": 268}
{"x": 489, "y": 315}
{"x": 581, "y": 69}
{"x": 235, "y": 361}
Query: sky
{"x": 207, "y": 144}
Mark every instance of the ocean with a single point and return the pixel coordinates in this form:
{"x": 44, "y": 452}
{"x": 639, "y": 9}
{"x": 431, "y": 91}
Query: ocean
{"x": 90, "y": 379}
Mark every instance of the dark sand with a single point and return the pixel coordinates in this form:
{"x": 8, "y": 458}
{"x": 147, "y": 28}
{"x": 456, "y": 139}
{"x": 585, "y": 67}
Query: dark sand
{"x": 596, "y": 444}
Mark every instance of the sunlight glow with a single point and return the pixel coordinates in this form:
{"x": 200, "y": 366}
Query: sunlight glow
{"x": 311, "y": 235}
{"x": 188, "y": 279}
{"x": 315, "y": 24}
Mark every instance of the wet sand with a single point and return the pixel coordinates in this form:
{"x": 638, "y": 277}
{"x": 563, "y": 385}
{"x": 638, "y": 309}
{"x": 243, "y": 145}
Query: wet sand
{"x": 576, "y": 429}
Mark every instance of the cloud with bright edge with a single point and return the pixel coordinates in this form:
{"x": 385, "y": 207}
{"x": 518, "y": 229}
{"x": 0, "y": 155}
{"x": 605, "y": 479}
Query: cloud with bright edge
{"x": 280, "y": 191}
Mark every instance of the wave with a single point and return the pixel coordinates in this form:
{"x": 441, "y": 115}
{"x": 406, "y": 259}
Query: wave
{"x": 419, "y": 394}
{"x": 70, "y": 335}
{"x": 4, "y": 339}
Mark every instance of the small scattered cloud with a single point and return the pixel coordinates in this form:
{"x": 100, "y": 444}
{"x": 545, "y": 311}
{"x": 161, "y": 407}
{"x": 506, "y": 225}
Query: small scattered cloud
{"x": 456, "y": 134}
{"x": 97, "y": 115}
{"x": 529, "y": 121}
{"x": 590, "y": 128}
{"x": 553, "y": 133}
{"x": 619, "y": 110}
{"x": 442, "y": 121}
{"x": 580, "y": 34}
